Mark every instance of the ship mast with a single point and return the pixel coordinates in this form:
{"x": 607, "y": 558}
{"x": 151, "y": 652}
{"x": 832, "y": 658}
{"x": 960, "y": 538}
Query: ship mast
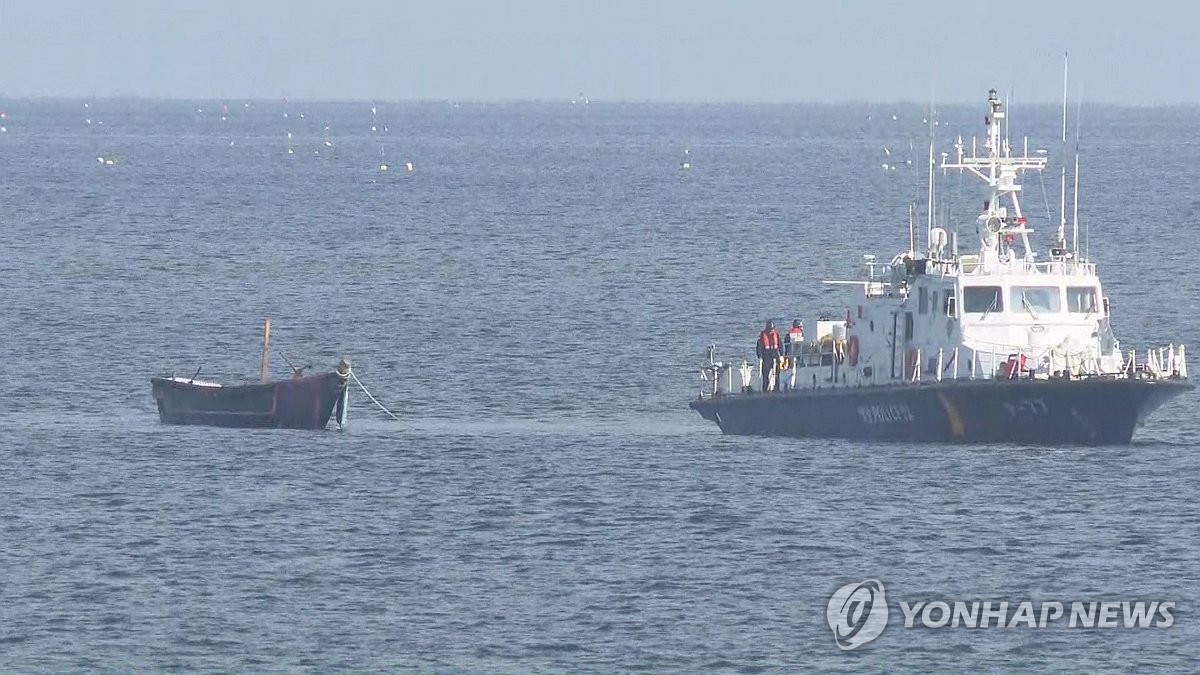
{"x": 1001, "y": 223}
{"x": 1060, "y": 242}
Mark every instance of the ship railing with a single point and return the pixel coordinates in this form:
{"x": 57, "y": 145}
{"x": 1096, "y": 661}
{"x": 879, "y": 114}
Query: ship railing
{"x": 984, "y": 362}
{"x": 1044, "y": 360}
{"x": 1057, "y": 267}
{"x": 713, "y": 373}
{"x": 1156, "y": 363}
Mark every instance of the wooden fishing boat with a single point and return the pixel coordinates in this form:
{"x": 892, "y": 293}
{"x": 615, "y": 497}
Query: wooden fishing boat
{"x": 302, "y": 402}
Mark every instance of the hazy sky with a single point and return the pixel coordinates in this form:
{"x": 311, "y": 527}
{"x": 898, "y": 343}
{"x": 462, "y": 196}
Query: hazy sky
{"x": 676, "y": 50}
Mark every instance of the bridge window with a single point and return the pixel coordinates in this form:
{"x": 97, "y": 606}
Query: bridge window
{"x": 1036, "y": 298}
{"x": 1082, "y": 299}
{"x": 922, "y": 300}
{"x": 980, "y": 299}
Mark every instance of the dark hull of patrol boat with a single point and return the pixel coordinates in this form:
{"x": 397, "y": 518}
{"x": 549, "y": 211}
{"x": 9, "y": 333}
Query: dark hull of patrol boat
{"x": 304, "y": 403}
{"x": 1040, "y": 412}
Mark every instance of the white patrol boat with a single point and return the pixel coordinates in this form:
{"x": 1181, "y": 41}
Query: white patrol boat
{"x": 989, "y": 347}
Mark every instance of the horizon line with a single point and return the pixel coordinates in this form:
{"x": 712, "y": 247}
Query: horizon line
{"x": 562, "y": 100}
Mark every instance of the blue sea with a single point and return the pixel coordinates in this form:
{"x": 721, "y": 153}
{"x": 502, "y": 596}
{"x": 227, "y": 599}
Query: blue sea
{"x": 532, "y": 301}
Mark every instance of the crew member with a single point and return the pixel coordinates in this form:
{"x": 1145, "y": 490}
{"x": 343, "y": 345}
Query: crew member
{"x": 768, "y": 349}
{"x": 795, "y": 337}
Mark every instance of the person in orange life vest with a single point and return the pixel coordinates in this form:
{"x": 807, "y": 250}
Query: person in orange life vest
{"x": 768, "y": 349}
{"x": 794, "y": 340}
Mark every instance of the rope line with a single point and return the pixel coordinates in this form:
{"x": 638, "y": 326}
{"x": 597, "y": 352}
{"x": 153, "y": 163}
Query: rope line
{"x": 373, "y": 399}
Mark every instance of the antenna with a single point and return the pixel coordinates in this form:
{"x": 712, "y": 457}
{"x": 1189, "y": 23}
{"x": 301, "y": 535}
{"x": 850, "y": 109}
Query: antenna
{"x": 1062, "y": 200}
{"x": 1075, "y": 215}
{"x": 932, "y": 115}
{"x": 912, "y": 232}
{"x": 1008, "y": 122}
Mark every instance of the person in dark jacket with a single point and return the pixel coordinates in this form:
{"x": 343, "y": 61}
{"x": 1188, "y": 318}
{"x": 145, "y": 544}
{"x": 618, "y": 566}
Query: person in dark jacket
{"x": 768, "y": 350}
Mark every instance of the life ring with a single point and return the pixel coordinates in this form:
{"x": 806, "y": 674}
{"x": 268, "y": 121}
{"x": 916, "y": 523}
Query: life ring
{"x": 852, "y": 350}
{"x": 910, "y": 363}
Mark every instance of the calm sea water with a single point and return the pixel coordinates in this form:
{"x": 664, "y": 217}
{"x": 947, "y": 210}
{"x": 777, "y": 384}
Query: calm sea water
{"x": 532, "y": 301}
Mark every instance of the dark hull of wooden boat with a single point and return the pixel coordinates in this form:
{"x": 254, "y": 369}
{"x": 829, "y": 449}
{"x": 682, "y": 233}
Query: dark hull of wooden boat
{"x": 304, "y": 403}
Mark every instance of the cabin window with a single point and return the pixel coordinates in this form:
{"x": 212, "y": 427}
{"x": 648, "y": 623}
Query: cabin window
{"x": 1081, "y": 300}
{"x": 933, "y": 302}
{"x": 948, "y": 307}
{"x": 1035, "y": 299}
{"x": 908, "y": 326}
{"x": 922, "y": 300}
{"x": 981, "y": 299}
{"x": 872, "y": 325}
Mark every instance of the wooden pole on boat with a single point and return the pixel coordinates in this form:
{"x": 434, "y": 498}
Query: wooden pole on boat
{"x": 266, "y": 355}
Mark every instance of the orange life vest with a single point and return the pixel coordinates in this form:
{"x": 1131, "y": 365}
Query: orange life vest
{"x": 795, "y": 333}
{"x": 769, "y": 339}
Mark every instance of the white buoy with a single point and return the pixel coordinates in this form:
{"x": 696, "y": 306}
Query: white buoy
{"x": 408, "y": 167}
{"x": 383, "y": 167}
{"x": 100, "y": 159}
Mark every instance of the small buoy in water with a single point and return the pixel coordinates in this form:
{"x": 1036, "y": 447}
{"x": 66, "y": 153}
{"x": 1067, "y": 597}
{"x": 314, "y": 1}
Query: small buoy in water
{"x": 291, "y": 152}
{"x": 893, "y": 118}
{"x": 3, "y": 130}
{"x": 383, "y": 167}
{"x": 109, "y": 162}
{"x": 408, "y": 166}
{"x": 100, "y": 159}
